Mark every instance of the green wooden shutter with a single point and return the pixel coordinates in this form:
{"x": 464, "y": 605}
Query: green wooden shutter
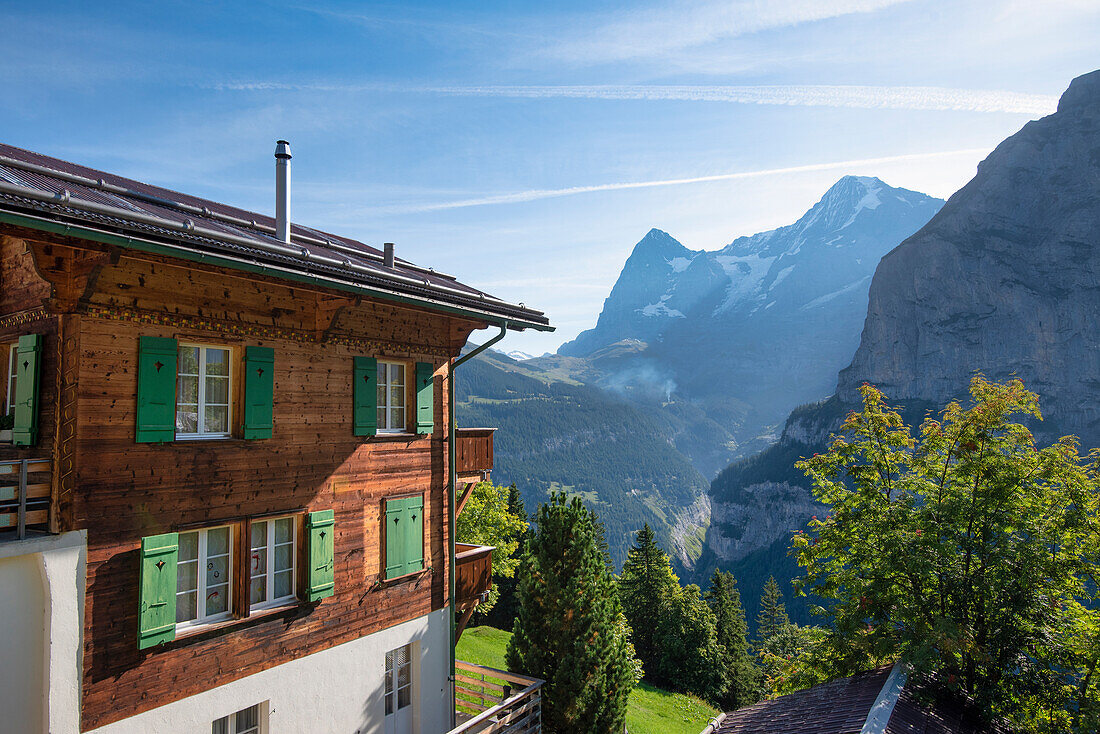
{"x": 320, "y": 527}
{"x": 156, "y": 390}
{"x": 157, "y": 595}
{"x": 259, "y": 391}
{"x": 404, "y": 536}
{"x": 365, "y": 396}
{"x": 395, "y": 538}
{"x": 25, "y": 430}
{"x": 425, "y": 397}
{"x": 414, "y": 534}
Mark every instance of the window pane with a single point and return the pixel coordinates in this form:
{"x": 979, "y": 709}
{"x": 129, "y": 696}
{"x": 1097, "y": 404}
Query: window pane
{"x": 221, "y": 726}
{"x": 382, "y": 418}
{"x": 381, "y": 394}
{"x": 247, "y": 719}
{"x": 397, "y": 418}
{"x": 284, "y": 557}
{"x": 258, "y": 590}
{"x": 217, "y": 541}
{"x": 188, "y": 361}
{"x": 188, "y": 546}
{"x": 187, "y": 576}
{"x": 217, "y": 571}
{"x": 216, "y": 419}
{"x": 217, "y": 390}
{"x": 403, "y": 675}
{"x": 397, "y": 396}
{"x": 389, "y": 703}
{"x": 389, "y": 667}
{"x": 185, "y": 607}
{"x": 284, "y": 584}
{"x": 284, "y": 530}
{"x": 187, "y": 419}
{"x": 258, "y": 562}
{"x": 397, "y": 374}
{"x": 217, "y": 599}
{"x": 259, "y": 534}
{"x": 404, "y": 697}
{"x": 187, "y": 390}
{"x": 217, "y": 362}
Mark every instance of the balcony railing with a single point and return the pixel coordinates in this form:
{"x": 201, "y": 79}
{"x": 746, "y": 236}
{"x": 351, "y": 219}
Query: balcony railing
{"x": 474, "y": 450}
{"x": 490, "y": 700}
{"x": 473, "y": 573}
{"x": 24, "y": 497}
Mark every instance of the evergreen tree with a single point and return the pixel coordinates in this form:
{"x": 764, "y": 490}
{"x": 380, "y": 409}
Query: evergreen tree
{"x": 773, "y": 615}
{"x": 689, "y": 657}
{"x": 568, "y": 631}
{"x": 645, "y": 586}
{"x": 744, "y": 679}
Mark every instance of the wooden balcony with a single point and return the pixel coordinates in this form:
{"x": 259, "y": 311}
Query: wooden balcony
{"x": 474, "y": 451}
{"x": 473, "y": 573}
{"x": 490, "y": 700}
{"x": 24, "y": 497}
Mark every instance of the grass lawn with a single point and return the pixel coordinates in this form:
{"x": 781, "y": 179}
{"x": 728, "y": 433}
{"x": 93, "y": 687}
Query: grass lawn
{"x": 651, "y": 710}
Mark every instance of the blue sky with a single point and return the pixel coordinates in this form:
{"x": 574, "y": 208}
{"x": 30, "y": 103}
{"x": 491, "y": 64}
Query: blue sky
{"x": 526, "y": 147}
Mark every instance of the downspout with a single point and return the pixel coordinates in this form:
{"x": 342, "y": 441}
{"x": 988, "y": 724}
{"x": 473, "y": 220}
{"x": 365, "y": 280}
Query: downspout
{"x": 453, "y": 483}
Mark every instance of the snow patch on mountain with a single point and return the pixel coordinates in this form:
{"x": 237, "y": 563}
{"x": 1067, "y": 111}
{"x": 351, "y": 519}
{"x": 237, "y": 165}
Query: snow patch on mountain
{"x": 822, "y": 300}
{"x": 660, "y": 309}
{"x": 746, "y": 274}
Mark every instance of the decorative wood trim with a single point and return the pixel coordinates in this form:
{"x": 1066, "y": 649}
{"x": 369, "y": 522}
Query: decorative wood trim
{"x": 38, "y": 313}
{"x": 381, "y": 347}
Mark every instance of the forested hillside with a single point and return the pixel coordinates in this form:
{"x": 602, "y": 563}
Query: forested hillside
{"x": 557, "y": 434}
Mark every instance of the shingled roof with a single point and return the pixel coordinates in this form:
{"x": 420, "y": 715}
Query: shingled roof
{"x": 52, "y": 195}
{"x": 876, "y": 702}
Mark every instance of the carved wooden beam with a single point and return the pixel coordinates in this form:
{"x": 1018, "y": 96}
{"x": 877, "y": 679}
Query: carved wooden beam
{"x": 465, "y": 619}
{"x": 72, "y": 272}
{"x": 328, "y": 310}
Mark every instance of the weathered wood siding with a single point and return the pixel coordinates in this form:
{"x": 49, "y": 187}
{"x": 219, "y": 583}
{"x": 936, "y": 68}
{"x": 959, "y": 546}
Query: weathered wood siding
{"x": 122, "y": 490}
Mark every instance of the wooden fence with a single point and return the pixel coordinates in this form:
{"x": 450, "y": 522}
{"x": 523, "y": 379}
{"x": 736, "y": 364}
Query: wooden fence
{"x": 24, "y": 496}
{"x": 491, "y": 701}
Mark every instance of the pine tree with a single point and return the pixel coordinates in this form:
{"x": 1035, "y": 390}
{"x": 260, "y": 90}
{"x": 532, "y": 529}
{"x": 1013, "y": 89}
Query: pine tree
{"x": 645, "y": 586}
{"x": 744, "y": 678}
{"x": 568, "y": 631}
{"x": 773, "y": 614}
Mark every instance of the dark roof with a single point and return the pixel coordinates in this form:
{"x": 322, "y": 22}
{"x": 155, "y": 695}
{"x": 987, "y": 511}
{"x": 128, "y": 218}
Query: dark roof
{"x": 846, "y": 705}
{"x": 44, "y": 193}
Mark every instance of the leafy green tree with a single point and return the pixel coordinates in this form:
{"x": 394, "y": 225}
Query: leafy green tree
{"x": 773, "y": 614}
{"x": 645, "y": 586}
{"x": 569, "y": 630}
{"x": 731, "y": 630}
{"x": 966, "y": 551}
{"x": 487, "y": 519}
{"x": 689, "y": 657}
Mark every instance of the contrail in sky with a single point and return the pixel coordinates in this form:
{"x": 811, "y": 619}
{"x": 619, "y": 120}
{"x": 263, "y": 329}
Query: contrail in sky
{"x": 819, "y": 95}
{"x": 536, "y": 194}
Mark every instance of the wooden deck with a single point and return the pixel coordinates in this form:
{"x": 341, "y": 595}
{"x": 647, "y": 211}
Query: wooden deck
{"x": 488, "y": 700}
{"x": 24, "y": 497}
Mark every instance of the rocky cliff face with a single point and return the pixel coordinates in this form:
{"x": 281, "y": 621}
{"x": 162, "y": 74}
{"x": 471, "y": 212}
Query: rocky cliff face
{"x": 740, "y": 336}
{"x": 1005, "y": 280}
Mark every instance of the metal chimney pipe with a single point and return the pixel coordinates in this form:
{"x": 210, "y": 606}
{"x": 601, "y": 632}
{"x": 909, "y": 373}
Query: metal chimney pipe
{"x": 387, "y": 254}
{"x": 282, "y": 190}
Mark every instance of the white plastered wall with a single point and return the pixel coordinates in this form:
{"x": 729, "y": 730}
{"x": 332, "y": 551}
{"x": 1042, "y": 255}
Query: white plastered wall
{"x": 336, "y": 691}
{"x": 42, "y": 609}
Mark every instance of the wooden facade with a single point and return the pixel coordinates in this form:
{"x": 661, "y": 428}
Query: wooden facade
{"x": 92, "y": 303}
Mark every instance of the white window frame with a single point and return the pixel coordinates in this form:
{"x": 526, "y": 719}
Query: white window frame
{"x": 12, "y": 374}
{"x": 202, "y": 559}
{"x": 384, "y": 426}
{"x": 270, "y": 564}
{"x": 201, "y": 407}
{"x": 231, "y": 721}
{"x": 392, "y": 673}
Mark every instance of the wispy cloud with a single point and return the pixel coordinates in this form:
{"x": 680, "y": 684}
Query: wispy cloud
{"x": 686, "y": 25}
{"x": 536, "y": 194}
{"x": 820, "y": 95}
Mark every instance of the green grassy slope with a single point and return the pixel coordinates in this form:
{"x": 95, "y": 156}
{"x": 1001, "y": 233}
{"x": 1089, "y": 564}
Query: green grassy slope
{"x": 651, "y": 710}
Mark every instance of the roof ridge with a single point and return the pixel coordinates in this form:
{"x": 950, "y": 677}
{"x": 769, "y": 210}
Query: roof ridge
{"x": 883, "y": 707}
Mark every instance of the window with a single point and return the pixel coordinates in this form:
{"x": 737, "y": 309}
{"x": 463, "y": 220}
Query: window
{"x": 203, "y": 576}
{"x": 203, "y": 382}
{"x": 272, "y": 562}
{"x": 245, "y": 721}
{"x": 9, "y": 402}
{"x": 399, "y": 689}
{"x": 391, "y": 397}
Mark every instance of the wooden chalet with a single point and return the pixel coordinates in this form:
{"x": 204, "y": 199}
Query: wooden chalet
{"x": 228, "y": 469}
